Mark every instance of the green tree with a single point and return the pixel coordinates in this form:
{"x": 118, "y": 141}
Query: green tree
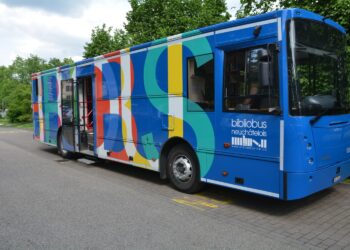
{"x": 338, "y": 10}
{"x": 120, "y": 39}
{"x": 104, "y": 40}
{"x": 22, "y": 68}
{"x": 19, "y": 104}
{"x": 152, "y": 19}
{"x": 56, "y": 62}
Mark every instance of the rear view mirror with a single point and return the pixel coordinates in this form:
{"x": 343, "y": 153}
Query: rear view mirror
{"x": 264, "y": 68}
{"x": 320, "y": 102}
{"x": 264, "y": 74}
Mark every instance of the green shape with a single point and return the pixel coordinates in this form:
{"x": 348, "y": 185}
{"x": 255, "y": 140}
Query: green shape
{"x": 203, "y": 59}
{"x": 199, "y": 46}
{"x": 199, "y": 121}
{"x": 49, "y": 107}
{"x": 148, "y": 146}
{"x": 203, "y": 129}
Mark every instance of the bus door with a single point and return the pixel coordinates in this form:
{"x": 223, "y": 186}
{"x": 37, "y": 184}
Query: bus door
{"x": 249, "y": 123}
{"x": 68, "y": 115}
{"x": 85, "y": 114}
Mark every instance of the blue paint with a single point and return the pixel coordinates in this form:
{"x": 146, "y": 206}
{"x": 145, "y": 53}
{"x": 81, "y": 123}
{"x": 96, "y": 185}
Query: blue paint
{"x": 52, "y": 88}
{"x": 36, "y": 124}
{"x": 35, "y": 91}
{"x": 112, "y": 125}
{"x": 84, "y": 70}
{"x": 111, "y": 84}
{"x": 65, "y": 74}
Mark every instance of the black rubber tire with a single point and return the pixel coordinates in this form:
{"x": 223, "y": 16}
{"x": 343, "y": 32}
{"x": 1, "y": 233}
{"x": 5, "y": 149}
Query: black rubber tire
{"x": 194, "y": 184}
{"x": 64, "y": 153}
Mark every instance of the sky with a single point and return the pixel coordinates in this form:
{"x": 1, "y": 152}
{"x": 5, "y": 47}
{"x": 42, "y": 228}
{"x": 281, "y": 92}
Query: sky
{"x": 58, "y": 28}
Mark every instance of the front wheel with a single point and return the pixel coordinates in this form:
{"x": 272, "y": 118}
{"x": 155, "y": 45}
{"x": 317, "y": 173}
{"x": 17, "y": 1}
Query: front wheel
{"x": 183, "y": 169}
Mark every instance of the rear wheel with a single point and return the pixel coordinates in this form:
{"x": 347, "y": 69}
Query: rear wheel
{"x": 183, "y": 169}
{"x": 61, "y": 151}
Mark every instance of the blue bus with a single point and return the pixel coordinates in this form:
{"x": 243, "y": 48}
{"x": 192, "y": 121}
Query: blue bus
{"x": 259, "y": 104}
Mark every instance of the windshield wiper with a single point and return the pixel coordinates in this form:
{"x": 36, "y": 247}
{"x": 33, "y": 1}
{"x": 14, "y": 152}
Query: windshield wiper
{"x": 317, "y": 117}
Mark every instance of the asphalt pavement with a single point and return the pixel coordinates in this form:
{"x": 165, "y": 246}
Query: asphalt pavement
{"x": 47, "y": 202}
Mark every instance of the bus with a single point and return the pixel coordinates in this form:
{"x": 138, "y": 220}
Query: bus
{"x": 259, "y": 104}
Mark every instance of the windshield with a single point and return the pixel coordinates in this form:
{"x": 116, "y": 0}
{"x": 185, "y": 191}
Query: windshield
{"x": 316, "y": 69}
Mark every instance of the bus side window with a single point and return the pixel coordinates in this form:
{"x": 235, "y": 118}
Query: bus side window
{"x": 250, "y": 84}
{"x": 200, "y": 73}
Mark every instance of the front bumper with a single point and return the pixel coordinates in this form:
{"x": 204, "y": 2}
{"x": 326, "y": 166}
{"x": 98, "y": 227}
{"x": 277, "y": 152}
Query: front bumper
{"x": 299, "y": 185}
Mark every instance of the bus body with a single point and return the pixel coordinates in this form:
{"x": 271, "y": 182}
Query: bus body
{"x": 257, "y": 104}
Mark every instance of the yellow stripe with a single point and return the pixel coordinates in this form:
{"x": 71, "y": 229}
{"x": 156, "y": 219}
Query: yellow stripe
{"x": 175, "y": 126}
{"x": 128, "y": 104}
{"x": 175, "y": 69}
{"x": 175, "y": 86}
{"x": 221, "y": 202}
{"x": 139, "y": 159}
{"x": 187, "y": 203}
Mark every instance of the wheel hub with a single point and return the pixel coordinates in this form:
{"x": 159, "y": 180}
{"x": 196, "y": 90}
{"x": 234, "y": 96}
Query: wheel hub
{"x": 182, "y": 168}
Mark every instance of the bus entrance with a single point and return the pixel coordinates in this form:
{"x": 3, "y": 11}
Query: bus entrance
{"x": 85, "y": 115}
{"x": 66, "y": 138}
{"x": 77, "y": 115}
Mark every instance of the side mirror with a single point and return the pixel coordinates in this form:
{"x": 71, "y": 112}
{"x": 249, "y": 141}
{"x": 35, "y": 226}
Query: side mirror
{"x": 320, "y": 101}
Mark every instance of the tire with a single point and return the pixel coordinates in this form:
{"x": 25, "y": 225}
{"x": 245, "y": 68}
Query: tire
{"x": 61, "y": 151}
{"x": 183, "y": 169}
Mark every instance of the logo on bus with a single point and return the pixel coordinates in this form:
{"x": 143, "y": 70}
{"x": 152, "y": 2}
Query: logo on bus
{"x": 249, "y": 134}
{"x": 249, "y": 142}
{"x": 250, "y": 123}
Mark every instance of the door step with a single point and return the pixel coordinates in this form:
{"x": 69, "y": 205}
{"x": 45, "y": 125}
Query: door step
{"x": 87, "y": 152}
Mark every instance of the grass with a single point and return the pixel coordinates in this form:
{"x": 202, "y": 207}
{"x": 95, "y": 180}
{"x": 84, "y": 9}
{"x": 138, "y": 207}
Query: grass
{"x": 347, "y": 181}
{"x": 6, "y": 123}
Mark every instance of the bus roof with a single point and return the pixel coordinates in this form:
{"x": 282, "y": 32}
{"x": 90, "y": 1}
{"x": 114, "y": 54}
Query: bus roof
{"x": 288, "y": 13}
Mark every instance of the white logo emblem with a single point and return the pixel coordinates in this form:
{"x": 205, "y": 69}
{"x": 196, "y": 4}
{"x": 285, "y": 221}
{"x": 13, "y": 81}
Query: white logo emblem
{"x": 249, "y": 134}
{"x": 249, "y": 142}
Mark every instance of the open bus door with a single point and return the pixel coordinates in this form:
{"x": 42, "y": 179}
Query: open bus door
{"x": 77, "y": 116}
{"x": 67, "y": 139}
{"x": 85, "y": 115}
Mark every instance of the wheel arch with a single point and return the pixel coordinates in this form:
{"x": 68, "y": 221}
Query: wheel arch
{"x": 167, "y": 146}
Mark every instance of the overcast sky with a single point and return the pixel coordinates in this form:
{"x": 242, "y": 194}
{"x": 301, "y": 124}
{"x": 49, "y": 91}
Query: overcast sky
{"x": 58, "y": 28}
